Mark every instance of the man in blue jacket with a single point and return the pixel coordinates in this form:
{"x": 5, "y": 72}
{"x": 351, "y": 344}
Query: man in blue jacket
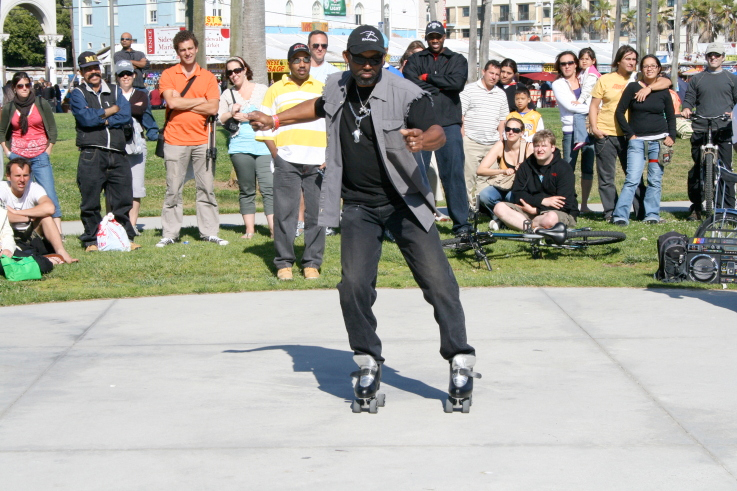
{"x": 443, "y": 74}
{"x": 101, "y": 112}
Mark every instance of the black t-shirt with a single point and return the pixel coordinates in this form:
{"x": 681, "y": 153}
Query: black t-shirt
{"x": 365, "y": 180}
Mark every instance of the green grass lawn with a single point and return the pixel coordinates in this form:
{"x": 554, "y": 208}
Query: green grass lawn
{"x": 248, "y": 265}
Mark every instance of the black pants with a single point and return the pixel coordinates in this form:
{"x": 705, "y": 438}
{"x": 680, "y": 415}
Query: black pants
{"x": 104, "y": 170}
{"x": 362, "y": 229}
{"x": 723, "y": 139}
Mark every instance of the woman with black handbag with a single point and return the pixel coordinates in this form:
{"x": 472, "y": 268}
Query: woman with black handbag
{"x": 251, "y": 159}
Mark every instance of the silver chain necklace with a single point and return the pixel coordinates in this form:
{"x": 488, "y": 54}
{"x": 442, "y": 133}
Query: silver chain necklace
{"x": 364, "y": 112}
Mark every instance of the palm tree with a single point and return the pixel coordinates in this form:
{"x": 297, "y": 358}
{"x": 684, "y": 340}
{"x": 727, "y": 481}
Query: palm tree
{"x": 665, "y": 15}
{"x": 693, "y": 18}
{"x": 253, "y": 22}
{"x": 604, "y": 21}
{"x": 702, "y": 17}
{"x": 728, "y": 13}
{"x": 570, "y": 18}
{"x": 629, "y": 21}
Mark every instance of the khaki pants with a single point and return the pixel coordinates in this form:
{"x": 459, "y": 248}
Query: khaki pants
{"x": 475, "y": 153}
{"x": 177, "y": 159}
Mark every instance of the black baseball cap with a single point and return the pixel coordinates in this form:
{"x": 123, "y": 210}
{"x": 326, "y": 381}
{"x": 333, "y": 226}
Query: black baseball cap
{"x": 365, "y": 38}
{"x": 88, "y": 58}
{"x": 434, "y": 27}
{"x": 297, "y": 48}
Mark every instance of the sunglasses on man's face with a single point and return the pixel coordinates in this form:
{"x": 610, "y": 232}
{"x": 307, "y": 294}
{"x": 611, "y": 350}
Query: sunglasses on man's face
{"x": 362, "y": 60}
{"x": 513, "y": 130}
{"x": 228, "y": 73}
{"x": 125, "y": 74}
{"x": 305, "y": 59}
{"x": 23, "y": 86}
{"x": 316, "y": 46}
{"x": 567, "y": 63}
{"x": 126, "y": 39}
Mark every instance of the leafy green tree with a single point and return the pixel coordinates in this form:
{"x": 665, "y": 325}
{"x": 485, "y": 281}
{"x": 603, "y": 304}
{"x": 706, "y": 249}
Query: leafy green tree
{"x": 23, "y": 47}
{"x": 570, "y": 18}
{"x": 604, "y": 21}
{"x": 63, "y": 24}
{"x": 629, "y": 22}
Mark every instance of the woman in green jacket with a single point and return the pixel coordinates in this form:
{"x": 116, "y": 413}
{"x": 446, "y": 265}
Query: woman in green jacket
{"x": 28, "y": 129}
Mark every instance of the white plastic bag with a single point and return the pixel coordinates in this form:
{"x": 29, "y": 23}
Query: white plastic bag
{"x": 136, "y": 144}
{"x": 111, "y": 235}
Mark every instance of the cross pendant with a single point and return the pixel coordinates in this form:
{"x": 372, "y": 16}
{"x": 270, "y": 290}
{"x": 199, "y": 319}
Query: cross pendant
{"x": 356, "y": 135}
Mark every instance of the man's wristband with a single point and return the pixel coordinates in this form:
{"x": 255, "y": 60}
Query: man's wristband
{"x": 275, "y": 118}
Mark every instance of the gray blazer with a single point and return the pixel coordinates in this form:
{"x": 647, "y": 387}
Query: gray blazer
{"x": 390, "y": 103}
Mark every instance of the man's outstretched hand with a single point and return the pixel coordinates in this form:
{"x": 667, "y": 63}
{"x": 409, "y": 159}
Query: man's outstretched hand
{"x": 260, "y": 121}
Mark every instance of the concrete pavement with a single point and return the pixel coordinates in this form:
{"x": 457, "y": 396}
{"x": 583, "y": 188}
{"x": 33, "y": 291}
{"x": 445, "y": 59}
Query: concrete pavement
{"x": 582, "y": 389}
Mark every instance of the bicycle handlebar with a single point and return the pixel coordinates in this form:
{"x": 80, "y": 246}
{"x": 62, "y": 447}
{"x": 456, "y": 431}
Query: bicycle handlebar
{"x": 723, "y": 117}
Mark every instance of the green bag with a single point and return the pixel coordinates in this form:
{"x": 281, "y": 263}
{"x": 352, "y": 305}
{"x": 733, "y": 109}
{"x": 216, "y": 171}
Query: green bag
{"x": 20, "y": 268}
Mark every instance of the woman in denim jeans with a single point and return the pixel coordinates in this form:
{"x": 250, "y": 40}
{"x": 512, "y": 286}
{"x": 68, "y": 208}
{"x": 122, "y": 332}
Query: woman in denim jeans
{"x": 650, "y": 124}
{"x": 28, "y": 128}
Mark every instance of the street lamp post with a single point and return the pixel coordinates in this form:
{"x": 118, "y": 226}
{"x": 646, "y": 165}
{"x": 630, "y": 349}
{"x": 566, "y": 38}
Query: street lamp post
{"x": 543, "y": 4}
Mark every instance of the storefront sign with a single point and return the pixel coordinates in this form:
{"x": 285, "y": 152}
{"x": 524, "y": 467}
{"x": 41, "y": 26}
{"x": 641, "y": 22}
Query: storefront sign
{"x": 159, "y": 42}
{"x": 334, "y": 7}
{"x": 213, "y": 21}
{"x": 314, "y": 26}
{"x": 529, "y": 67}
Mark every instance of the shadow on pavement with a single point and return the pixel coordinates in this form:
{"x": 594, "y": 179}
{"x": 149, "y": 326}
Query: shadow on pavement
{"x": 724, "y": 299}
{"x": 332, "y": 370}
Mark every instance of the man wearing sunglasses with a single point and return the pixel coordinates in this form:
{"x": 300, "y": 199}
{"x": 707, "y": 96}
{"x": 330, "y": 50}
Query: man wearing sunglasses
{"x": 713, "y": 92}
{"x": 443, "y": 73}
{"x": 299, "y": 160}
{"x": 376, "y": 121}
{"x": 319, "y": 68}
{"x": 137, "y": 58}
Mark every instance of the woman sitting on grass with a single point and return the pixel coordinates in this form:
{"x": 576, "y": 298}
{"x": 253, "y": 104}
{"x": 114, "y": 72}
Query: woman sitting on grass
{"x": 500, "y": 165}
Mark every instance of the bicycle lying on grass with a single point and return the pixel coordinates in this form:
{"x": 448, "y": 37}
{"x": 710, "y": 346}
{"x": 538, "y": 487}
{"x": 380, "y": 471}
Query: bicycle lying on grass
{"x": 558, "y": 237}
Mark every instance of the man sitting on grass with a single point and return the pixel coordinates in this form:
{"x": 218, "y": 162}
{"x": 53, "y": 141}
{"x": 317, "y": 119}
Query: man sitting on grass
{"x": 29, "y": 211}
{"x": 544, "y": 190}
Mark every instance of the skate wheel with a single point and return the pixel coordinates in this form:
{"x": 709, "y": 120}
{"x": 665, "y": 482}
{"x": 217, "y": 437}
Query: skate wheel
{"x": 448, "y": 408}
{"x": 381, "y": 398}
{"x": 466, "y": 406}
{"x": 373, "y": 406}
{"x": 356, "y": 407}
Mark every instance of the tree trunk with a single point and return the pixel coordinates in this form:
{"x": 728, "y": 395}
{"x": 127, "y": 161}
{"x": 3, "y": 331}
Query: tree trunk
{"x": 236, "y": 27}
{"x": 617, "y": 27}
{"x": 485, "y": 35}
{"x": 642, "y": 28}
{"x": 676, "y": 44}
{"x": 198, "y": 29}
{"x": 472, "y": 48}
{"x": 654, "y": 31}
{"x": 253, "y": 34}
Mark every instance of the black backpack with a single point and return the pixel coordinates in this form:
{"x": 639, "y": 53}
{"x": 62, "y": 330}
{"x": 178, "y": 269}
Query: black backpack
{"x": 672, "y": 266}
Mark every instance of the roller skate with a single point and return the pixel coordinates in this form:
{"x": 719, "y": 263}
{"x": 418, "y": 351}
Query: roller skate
{"x": 460, "y": 392}
{"x": 368, "y": 381}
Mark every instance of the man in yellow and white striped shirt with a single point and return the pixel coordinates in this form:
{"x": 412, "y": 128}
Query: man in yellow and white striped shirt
{"x": 299, "y": 159}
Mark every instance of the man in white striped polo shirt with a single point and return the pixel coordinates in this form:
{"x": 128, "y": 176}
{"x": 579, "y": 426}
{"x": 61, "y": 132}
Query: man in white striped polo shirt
{"x": 485, "y": 109}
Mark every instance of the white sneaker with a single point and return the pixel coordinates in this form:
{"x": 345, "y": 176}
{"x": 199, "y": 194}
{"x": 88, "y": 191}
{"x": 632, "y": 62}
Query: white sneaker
{"x": 215, "y": 239}
{"x": 494, "y": 225}
{"x": 165, "y": 242}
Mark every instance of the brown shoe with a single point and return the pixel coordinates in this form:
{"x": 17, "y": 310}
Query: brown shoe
{"x": 311, "y": 273}
{"x": 695, "y": 216}
{"x": 91, "y": 248}
{"x": 284, "y": 274}
{"x": 135, "y": 246}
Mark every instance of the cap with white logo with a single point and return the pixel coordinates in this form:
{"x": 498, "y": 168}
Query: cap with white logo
{"x": 365, "y": 38}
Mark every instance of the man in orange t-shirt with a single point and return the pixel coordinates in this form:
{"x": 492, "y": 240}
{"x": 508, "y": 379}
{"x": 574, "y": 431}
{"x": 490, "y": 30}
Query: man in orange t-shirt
{"x": 186, "y": 140}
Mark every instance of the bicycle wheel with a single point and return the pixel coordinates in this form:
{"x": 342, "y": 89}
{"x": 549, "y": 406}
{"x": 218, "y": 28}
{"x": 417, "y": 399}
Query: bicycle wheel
{"x": 708, "y": 169}
{"x": 721, "y": 225}
{"x": 463, "y": 243}
{"x": 585, "y": 238}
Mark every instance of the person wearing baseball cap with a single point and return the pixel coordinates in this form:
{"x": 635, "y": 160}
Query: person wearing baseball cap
{"x": 443, "y": 73}
{"x": 713, "y": 92}
{"x": 375, "y": 122}
{"x": 101, "y": 112}
{"x": 299, "y": 159}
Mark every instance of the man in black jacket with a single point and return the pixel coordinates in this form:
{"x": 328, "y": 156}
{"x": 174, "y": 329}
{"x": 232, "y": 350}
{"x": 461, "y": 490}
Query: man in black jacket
{"x": 443, "y": 73}
{"x": 544, "y": 190}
